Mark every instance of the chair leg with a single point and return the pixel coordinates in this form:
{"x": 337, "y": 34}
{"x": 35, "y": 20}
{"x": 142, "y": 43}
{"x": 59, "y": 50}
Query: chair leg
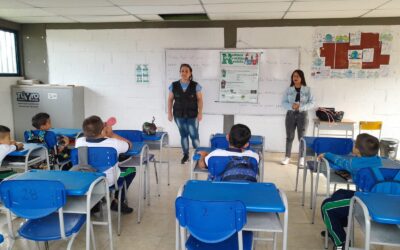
{"x": 93, "y": 239}
{"x": 125, "y": 190}
{"x": 335, "y": 185}
{"x": 297, "y": 176}
{"x": 157, "y": 181}
{"x": 326, "y": 243}
{"x": 304, "y": 186}
{"x": 119, "y": 212}
{"x": 46, "y": 245}
{"x": 311, "y": 189}
{"x": 275, "y": 240}
{"x": 71, "y": 241}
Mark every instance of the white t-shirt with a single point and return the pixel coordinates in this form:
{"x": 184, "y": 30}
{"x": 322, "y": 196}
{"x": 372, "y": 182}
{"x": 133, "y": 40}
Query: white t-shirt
{"x": 120, "y": 146}
{"x": 5, "y": 149}
{"x": 232, "y": 152}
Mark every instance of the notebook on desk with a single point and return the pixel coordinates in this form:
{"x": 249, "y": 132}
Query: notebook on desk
{"x": 344, "y": 175}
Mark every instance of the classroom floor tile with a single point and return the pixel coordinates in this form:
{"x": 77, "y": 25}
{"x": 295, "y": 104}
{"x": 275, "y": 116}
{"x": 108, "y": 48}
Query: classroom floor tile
{"x": 157, "y": 229}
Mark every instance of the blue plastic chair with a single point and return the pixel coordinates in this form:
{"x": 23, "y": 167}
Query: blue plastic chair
{"x": 212, "y": 225}
{"x": 41, "y": 203}
{"x": 102, "y": 159}
{"x": 217, "y": 165}
{"x": 50, "y": 141}
{"x": 377, "y": 207}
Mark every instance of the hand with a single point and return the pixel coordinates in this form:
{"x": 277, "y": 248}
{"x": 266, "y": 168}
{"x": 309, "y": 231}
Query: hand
{"x": 295, "y": 106}
{"x": 19, "y": 145}
{"x": 66, "y": 140}
{"x": 320, "y": 157}
{"x": 199, "y": 117}
{"x": 170, "y": 116}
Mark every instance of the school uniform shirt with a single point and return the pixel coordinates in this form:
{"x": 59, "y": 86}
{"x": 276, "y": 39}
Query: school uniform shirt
{"x": 306, "y": 98}
{"x": 120, "y": 146}
{"x": 232, "y": 152}
{"x": 352, "y": 164}
{"x": 5, "y": 149}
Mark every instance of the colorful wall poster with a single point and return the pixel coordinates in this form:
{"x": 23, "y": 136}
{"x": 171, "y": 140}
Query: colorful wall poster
{"x": 239, "y": 76}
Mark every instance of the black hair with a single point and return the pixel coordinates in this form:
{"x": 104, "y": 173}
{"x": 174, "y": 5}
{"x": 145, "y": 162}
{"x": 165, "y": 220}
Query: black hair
{"x": 301, "y": 74}
{"x": 190, "y": 68}
{"x": 92, "y": 126}
{"x": 367, "y": 144}
{"x": 239, "y": 135}
{"x": 40, "y": 119}
{"x": 3, "y": 131}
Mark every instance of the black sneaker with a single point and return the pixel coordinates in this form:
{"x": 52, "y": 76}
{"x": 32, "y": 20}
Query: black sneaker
{"x": 124, "y": 208}
{"x": 185, "y": 159}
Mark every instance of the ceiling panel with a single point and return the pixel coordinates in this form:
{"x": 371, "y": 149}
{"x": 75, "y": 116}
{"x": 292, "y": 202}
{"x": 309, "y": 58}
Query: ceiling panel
{"x": 104, "y": 19}
{"x": 394, "y": 4}
{"x": 150, "y": 17}
{"x": 13, "y": 4}
{"x": 245, "y": 16}
{"x": 24, "y": 12}
{"x": 167, "y": 9}
{"x": 67, "y": 3}
{"x": 384, "y": 13}
{"x": 242, "y": 1}
{"x": 155, "y": 2}
{"x": 247, "y": 7}
{"x": 87, "y": 11}
{"x": 325, "y": 14}
{"x": 40, "y": 19}
{"x": 336, "y": 5}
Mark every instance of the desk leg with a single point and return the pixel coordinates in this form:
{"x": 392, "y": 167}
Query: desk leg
{"x": 177, "y": 239}
{"x": 140, "y": 193}
{"x": 88, "y": 225}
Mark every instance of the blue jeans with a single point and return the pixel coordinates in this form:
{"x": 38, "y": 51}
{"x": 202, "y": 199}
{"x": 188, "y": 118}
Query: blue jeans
{"x": 188, "y": 127}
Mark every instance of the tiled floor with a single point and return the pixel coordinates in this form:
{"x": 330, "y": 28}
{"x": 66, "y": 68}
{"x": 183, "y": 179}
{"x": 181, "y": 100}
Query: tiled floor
{"x": 157, "y": 229}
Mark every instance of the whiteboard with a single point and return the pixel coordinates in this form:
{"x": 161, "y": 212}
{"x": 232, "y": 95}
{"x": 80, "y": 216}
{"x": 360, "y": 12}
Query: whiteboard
{"x": 276, "y": 67}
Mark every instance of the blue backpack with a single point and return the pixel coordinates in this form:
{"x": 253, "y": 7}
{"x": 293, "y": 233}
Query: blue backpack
{"x": 240, "y": 169}
{"x": 379, "y": 180}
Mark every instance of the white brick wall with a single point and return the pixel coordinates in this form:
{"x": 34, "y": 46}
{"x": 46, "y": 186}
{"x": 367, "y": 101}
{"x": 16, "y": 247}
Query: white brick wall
{"x": 6, "y": 117}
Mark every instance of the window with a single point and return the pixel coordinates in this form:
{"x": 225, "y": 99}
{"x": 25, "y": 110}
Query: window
{"x": 9, "y": 64}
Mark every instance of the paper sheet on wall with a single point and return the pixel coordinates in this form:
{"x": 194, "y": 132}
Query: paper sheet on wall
{"x": 368, "y": 55}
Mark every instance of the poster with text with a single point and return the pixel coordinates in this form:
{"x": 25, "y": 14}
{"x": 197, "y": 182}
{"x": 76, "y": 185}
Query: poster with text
{"x": 239, "y": 76}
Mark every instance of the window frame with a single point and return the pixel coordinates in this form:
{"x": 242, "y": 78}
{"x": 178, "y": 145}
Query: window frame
{"x": 17, "y": 53}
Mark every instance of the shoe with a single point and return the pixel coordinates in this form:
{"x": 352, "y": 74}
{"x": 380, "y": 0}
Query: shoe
{"x": 285, "y": 161}
{"x": 301, "y": 161}
{"x": 185, "y": 159}
{"x": 124, "y": 208}
{"x": 341, "y": 247}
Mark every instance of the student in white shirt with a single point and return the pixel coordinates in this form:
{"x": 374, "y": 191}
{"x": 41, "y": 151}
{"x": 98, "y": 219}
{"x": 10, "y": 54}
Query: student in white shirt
{"x": 6, "y": 144}
{"x": 97, "y": 134}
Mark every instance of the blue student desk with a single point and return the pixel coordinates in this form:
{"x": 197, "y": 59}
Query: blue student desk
{"x": 389, "y": 213}
{"x": 31, "y": 154}
{"x": 68, "y": 132}
{"x": 139, "y": 159}
{"x": 263, "y": 203}
{"x": 84, "y": 190}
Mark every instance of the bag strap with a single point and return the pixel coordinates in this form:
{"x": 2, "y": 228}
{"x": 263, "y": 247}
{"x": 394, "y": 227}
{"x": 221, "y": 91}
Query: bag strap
{"x": 378, "y": 174}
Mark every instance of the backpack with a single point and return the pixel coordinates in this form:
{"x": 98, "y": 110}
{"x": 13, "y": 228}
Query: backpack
{"x": 329, "y": 114}
{"x": 239, "y": 169}
{"x": 379, "y": 180}
{"x": 149, "y": 128}
{"x": 36, "y": 136}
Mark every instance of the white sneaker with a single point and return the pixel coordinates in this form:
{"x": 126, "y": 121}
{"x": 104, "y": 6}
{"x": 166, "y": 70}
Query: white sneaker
{"x": 301, "y": 161}
{"x": 285, "y": 161}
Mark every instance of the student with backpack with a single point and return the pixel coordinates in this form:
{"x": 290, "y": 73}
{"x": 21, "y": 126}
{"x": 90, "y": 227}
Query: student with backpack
{"x": 335, "y": 209}
{"x": 241, "y": 165}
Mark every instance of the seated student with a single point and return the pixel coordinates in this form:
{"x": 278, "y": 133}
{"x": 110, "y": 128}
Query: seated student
{"x": 239, "y": 168}
{"x": 96, "y": 134}
{"x": 42, "y": 123}
{"x": 335, "y": 209}
{"x": 6, "y": 144}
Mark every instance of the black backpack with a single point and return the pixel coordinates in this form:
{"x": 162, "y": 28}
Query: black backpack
{"x": 329, "y": 114}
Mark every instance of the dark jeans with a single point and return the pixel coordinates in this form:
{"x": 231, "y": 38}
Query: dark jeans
{"x": 335, "y": 211}
{"x": 295, "y": 119}
{"x": 188, "y": 127}
{"x": 128, "y": 180}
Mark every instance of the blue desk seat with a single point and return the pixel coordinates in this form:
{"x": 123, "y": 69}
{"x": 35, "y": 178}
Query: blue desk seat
{"x": 382, "y": 208}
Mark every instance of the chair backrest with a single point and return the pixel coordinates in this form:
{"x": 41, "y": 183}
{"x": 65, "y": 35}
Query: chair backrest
{"x": 131, "y": 135}
{"x": 210, "y": 221}
{"x": 219, "y": 142}
{"x": 378, "y": 180}
{"x": 218, "y": 164}
{"x": 100, "y": 158}
{"x": 32, "y": 199}
{"x": 339, "y": 146}
{"x": 50, "y": 138}
{"x": 370, "y": 126}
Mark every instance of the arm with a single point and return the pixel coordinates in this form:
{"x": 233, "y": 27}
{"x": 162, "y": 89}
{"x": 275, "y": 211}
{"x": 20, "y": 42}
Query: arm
{"x": 107, "y": 132}
{"x": 340, "y": 163}
{"x": 200, "y": 105}
{"x": 310, "y": 103}
{"x": 285, "y": 101}
{"x": 170, "y": 102}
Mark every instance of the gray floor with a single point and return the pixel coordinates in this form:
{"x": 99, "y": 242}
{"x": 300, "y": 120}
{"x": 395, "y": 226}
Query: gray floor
{"x": 157, "y": 230}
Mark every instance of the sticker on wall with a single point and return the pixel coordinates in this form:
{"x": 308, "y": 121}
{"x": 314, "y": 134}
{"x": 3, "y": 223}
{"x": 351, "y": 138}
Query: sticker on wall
{"x": 142, "y": 73}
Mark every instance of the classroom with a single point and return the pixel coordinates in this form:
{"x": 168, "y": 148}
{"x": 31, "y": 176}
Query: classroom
{"x": 200, "y": 124}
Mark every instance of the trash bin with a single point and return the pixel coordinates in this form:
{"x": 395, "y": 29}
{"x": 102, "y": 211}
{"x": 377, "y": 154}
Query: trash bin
{"x": 388, "y": 147}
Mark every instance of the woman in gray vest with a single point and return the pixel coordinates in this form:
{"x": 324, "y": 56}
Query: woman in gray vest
{"x": 185, "y": 105}
{"x": 297, "y": 100}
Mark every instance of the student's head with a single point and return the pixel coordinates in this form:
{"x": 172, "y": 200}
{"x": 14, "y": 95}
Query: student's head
{"x": 298, "y": 78}
{"x": 4, "y": 135}
{"x": 186, "y": 72}
{"x": 92, "y": 127}
{"x": 239, "y": 136}
{"x": 366, "y": 145}
{"x": 41, "y": 121}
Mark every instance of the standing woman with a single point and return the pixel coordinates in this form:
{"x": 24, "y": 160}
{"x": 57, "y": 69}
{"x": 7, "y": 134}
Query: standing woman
{"x": 297, "y": 100}
{"x": 186, "y": 101}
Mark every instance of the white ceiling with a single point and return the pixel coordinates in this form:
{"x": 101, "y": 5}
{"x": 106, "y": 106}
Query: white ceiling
{"x": 89, "y": 11}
